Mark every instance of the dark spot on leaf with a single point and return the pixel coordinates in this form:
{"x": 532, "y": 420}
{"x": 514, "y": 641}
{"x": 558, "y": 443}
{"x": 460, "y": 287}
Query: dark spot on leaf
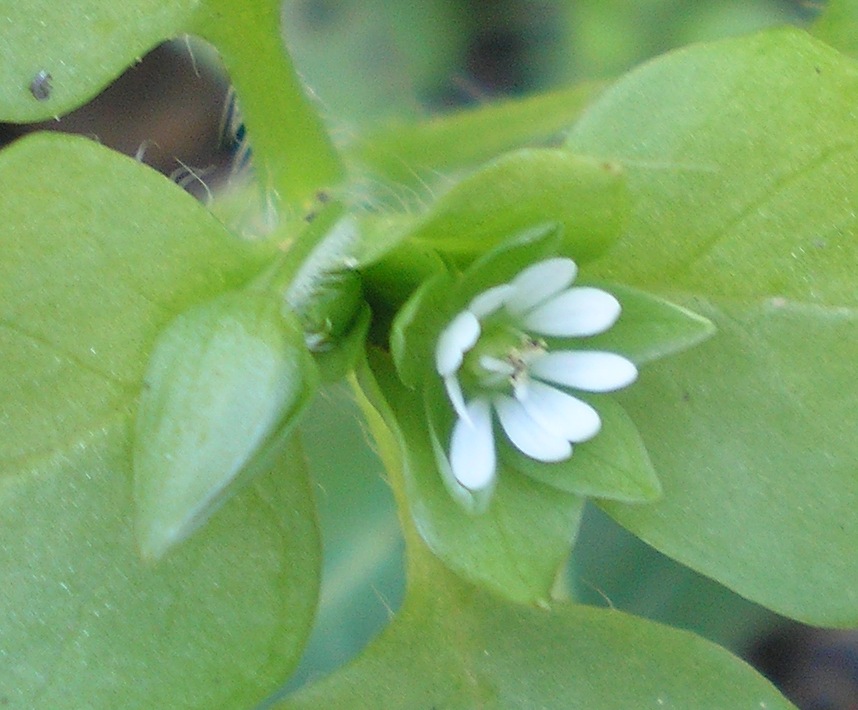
{"x": 40, "y": 86}
{"x": 817, "y": 70}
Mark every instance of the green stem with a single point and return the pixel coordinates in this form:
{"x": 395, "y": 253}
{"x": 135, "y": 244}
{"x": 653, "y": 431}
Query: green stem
{"x": 293, "y": 155}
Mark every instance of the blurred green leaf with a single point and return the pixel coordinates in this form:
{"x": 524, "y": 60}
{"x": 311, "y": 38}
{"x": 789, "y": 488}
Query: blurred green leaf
{"x": 82, "y": 46}
{"x": 414, "y": 154}
{"x": 374, "y": 59}
{"x": 226, "y": 382}
{"x": 838, "y": 25}
{"x": 454, "y": 646}
{"x": 742, "y": 172}
{"x": 527, "y": 188}
{"x": 86, "y": 624}
{"x": 87, "y": 279}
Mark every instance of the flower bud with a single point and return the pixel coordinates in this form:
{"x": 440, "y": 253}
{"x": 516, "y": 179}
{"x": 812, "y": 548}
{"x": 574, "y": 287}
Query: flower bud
{"x": 226, "y": 381}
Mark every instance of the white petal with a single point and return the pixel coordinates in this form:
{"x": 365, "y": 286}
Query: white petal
{"x": 487, "y": 302}
{"x": 591, "y": 371}
{"x": 539, "y": 282}
{"x": 527, "y": 435}
{"x": 561, "y": 414}
{"x": 575, "y": 312}
{"x": 456, "y": 339}
{"x": 457, "y": 399}
{"x": 472, "y": 447}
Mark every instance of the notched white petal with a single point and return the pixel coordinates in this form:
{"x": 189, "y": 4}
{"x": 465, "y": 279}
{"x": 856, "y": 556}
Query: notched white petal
{"x": 455, "y": 340}
{"x": 576, "y": 312}
{"x": 561, "y": 414}
{"x": 590, "y": 371}
{"x": 489, "y": 301}
{"x": 454, "y": 392}
{"x": 527, "y": 435}
{"x": 539, "y": 282}
{"x": 472, "y": 447}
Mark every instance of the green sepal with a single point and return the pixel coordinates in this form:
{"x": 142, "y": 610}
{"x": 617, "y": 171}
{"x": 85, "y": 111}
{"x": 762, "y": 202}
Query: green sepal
{"x": 525, "y": 188}
{"x": 226, "y": 381}
{"x": 516, "y": 547}
{"x": 614, "y": 464}
{"x": 649, "y": 327}
{"x": 508, "y": 259}
{"x": 415, "y": 330}
{"x": 339, "y": 359}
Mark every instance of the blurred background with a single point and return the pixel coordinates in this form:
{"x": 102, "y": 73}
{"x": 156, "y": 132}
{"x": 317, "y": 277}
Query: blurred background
{"x": 370, "y": 62}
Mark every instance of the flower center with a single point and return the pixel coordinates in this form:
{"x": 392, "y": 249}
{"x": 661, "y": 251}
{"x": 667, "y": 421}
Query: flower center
{"x": 500, "y": 360}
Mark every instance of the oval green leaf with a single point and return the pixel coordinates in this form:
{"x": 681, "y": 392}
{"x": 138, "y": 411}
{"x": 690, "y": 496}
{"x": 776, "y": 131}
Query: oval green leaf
{"x": 464, "y": 648}
{"x": 742, "y": 174}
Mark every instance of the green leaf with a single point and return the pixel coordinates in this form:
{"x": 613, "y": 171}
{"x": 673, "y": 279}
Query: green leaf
{"x": 743, "y": 180}
{"x": 838, "y": 25}
{"x": 463, "y": 648}
{"x": 649, "y": 328}
{"x": 226, "y": 382}
{"x": 516, "y": 547}
{"x": 524, "y": 189}
{"x": 82, "y": 46}
{"x": 87, "y": 624}
{"x": 88, "y": 277}
{"x": 413, "y": 153}
{"x": 613, "y": 465}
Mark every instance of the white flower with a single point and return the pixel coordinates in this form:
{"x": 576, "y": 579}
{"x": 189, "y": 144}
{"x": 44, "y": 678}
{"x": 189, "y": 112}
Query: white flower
{"x": 491, "y": 359}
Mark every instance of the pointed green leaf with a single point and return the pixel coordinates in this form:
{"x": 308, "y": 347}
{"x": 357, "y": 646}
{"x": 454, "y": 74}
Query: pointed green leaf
{"x": 614, "y": 464}
{"x": 743, "y": 179}
{"x": 454, "y": 646}
{"x": 413, "y": 153}
{"x": 649, "y": 327}
{"x": 227, "y": 380}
